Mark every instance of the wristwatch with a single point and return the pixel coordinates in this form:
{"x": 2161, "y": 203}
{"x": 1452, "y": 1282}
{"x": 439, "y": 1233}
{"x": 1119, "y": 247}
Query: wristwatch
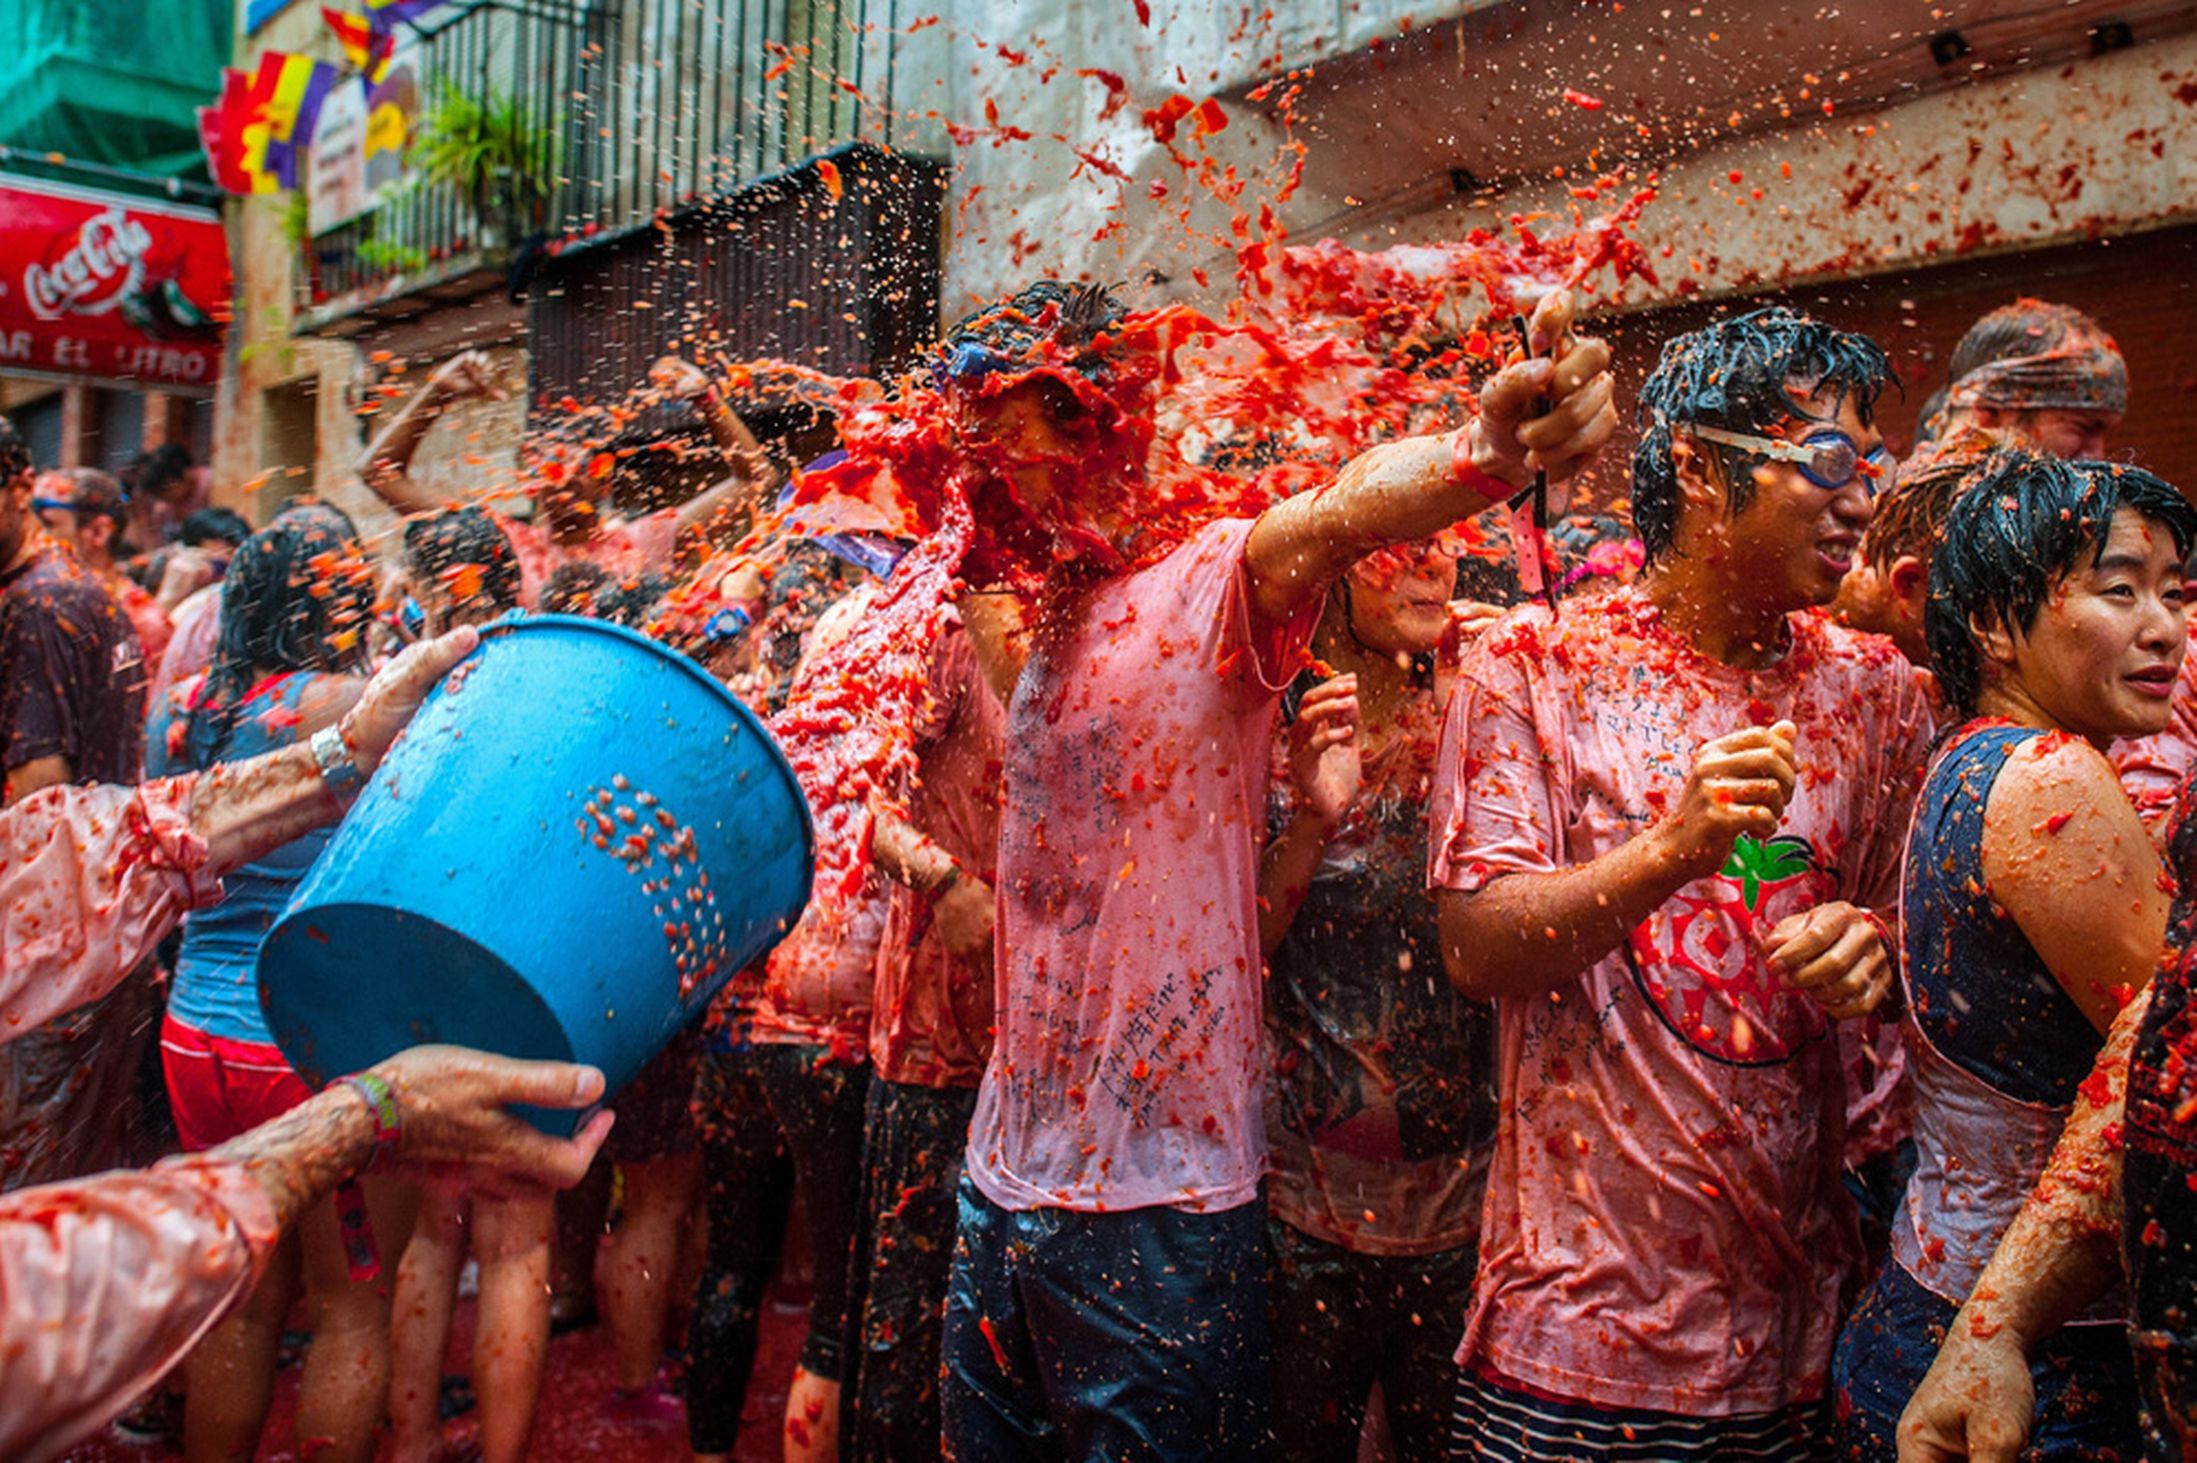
{"x": 338, "y": 773}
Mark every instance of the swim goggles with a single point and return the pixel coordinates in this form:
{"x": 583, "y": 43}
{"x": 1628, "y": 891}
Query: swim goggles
{"x": 1829, "y": 459}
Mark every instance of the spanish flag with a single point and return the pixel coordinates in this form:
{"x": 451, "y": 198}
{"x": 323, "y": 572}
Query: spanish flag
{"x": 366, "y": 49}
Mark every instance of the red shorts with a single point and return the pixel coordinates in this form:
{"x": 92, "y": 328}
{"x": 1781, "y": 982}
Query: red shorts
{"x": 220, "y": 1088}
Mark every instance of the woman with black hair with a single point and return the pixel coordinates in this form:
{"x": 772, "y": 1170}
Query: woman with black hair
{"x": 290, "y": 661}
{"x": 2032, "y": 907}
{"x": 1380, "y": 1088}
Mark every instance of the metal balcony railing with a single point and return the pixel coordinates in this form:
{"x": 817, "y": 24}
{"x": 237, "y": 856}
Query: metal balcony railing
{"x": 642, "y": 106}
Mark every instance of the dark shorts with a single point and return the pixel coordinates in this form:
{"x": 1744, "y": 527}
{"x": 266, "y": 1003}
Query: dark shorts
{"x": 2085, "y": 1384}
{"x": 911, "y": 1165}
{"x": 1499, "y": 1421}
{"x": 1137, "y": 1335}
{"x": 219, "y": 1088}
{"x": 2161, "y": 1246}
{"x": 1342, "y": 1321}
{"x": 653, "y": 1121}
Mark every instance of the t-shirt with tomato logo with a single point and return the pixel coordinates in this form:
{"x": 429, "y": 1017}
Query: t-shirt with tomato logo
{"x": 1665, "y": 1225}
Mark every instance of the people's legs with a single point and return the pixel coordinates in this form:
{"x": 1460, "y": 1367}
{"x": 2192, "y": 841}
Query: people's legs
{"x": 819, "y": 1106}
{"x": 1420, "y": 1311}
{"x": 644, "y": 1258}
{"x": 231, "y": 1372}
{"x": 992, "y": 1399}
{"x": 1150, "y": 1328}
{"x": 419, "y": 1327}
{"x": 747, "y": 1187}
{"x": 1326, "y": 1351}
{"x": 911, "y": 1167}
{"x": 582, "y": 1212}
{"x": 511, "y": 1239}
{"x": 345, "y": 1387}
{"x": 653, "y": 1146}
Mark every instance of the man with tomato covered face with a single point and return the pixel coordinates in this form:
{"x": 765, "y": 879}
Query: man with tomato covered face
{"x": 1108, "y": 1295}
{"x": 1662, "y": 822}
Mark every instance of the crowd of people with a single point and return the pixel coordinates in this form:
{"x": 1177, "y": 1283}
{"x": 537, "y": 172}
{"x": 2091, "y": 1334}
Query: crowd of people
{"x": 1703, "y": 977}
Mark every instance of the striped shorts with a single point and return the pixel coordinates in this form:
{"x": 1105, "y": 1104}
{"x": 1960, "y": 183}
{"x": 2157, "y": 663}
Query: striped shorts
{"x": 1504, "y": 1421}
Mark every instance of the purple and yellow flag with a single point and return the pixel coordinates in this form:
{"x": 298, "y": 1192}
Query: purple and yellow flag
{"x": 289, "y": 90}
{"x": 367, "y": 49}
{"x": 385, "y": 15}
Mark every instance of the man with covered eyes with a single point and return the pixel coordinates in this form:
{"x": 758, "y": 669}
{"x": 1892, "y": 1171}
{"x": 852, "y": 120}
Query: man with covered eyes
{"x": 1663, "y": 822}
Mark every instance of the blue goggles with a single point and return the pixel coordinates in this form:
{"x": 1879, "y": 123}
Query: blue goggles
{"x": 1829, "y": 459}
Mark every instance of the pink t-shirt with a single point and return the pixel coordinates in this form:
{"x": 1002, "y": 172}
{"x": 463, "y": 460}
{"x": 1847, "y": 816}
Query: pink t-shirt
{"x": 623, "y": 547}
{"x": 932, "y": 1022}
{"x": 1126, "y": 1069}
{"x": 1665, "y": 1225}
{"x": 2152, "y": 768}
{"x": 196, "y": 627}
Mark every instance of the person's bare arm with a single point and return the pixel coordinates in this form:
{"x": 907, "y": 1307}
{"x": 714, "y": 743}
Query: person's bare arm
{"x": 385, "y": 466}
{"x": 1327, "y": 770}
{"x": 2069, "y": 859}
{"x": 451, "y": 1104}
{"x": 999, "y": 634}
{"x": 249, "y": 808}
{"x": 2061, "y": 1253}
{"x": 37, "y": 775}
{"x": 752, "y": 475}
{"x": 963, "y": 904}
{"x": 1416, "y": 487}
{"x": 1525, "y": 933}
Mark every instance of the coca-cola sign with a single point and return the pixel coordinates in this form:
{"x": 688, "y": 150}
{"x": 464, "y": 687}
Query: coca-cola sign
{"x": 97, "y": 285}
{"x": 102, "y": 262}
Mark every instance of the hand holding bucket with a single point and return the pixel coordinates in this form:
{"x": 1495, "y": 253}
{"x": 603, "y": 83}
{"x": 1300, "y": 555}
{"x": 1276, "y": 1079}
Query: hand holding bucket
{"x": 579, "y": 838}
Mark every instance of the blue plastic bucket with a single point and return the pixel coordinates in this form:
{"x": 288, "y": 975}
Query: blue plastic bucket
{"x": 579, "y": 839}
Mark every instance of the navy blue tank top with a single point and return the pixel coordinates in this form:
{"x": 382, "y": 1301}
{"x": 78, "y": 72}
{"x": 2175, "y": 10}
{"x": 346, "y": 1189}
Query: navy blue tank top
{"x": 1976, "y": 987}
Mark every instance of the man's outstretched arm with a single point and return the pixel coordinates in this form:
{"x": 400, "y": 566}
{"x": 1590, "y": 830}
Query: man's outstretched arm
{"x": 1417, "y": 487}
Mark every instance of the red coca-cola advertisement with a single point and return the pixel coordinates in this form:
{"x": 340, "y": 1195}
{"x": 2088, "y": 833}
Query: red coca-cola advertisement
{"x": 108, "y": 287}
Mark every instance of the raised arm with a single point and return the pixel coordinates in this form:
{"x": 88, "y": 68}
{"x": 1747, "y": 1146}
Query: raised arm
{"x": 1327, "y": 772}
{"x": 752, "y": 472}
{"x": 385, "y": 466}
{"x": 1416, "y": 487}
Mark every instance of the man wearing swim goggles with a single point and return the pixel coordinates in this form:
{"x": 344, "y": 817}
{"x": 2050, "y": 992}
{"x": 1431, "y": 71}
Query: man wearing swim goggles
{"x": 1826, "y": 457}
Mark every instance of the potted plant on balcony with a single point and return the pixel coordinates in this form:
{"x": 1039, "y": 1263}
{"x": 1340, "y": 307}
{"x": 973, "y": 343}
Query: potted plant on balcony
{"x": 495, "y": 153}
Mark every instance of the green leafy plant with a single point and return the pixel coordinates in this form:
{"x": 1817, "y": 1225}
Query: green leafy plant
{"x": 383, "y": 255}
{"x": 492, "y": 149}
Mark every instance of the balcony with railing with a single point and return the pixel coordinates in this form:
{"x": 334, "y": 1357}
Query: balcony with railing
{"x": 541, "y": 122}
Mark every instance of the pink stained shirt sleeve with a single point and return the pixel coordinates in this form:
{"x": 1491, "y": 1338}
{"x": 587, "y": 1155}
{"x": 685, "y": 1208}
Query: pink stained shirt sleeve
{"x": 106, "y": 1282}
{"x": 90, "y": 879}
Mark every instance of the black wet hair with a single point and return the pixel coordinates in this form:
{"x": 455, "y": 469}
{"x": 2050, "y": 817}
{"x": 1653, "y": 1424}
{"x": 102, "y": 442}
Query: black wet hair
{"x": 15, "y": 453}
{"x": 214, "y": 525}
{"x": 1070, "y": 316}
{"x": 2024, "y": 328}
{"x": 574, "y": 588}
{"x": 154, "y": 472}
{"x": 1734, "y": 375}
{"x": 453, "y": 538}
{"x": 95, "y": 494}
{"x": 307, "y": 506}
{"x": 2025, "y": 522}
{"x": 281, "y": 611}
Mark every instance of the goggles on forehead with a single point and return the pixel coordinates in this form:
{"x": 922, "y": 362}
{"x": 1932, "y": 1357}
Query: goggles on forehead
{"x": 967, "y": 362}
{"x": 1830, "y": 459}
{"x": 53, "y": 505}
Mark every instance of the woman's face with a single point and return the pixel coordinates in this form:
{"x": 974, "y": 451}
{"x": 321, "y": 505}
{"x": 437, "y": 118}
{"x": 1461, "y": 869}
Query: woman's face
{"x": 1399, "y": 597}
{"x": 2102, "y": 656}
